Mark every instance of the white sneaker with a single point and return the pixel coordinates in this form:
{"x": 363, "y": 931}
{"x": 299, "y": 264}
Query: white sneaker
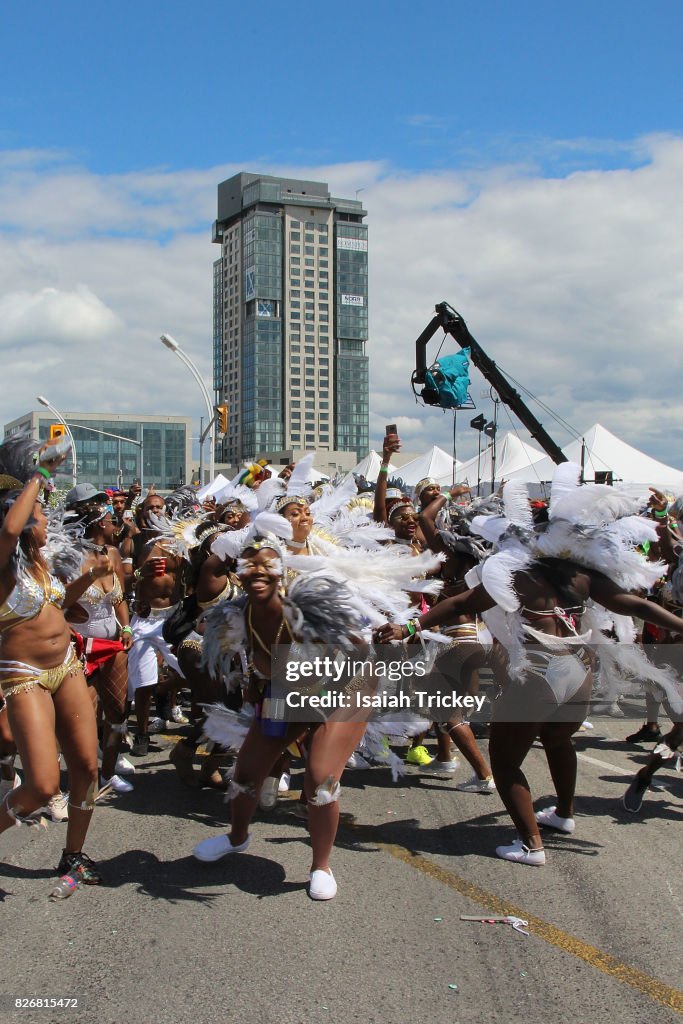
{"x": 355, "y": 763}
{"x": 56, "y": 809}
{"x": 549, "y": 819}
{"x": 178, "y": 717}
{"x": 123, "y": 766}
{"x": 268, "y": 795}
{"x": 477, "y": 785}
{"x": 156, "y": 725}
{"x": 284, "y": 783}
{"x": 116, "y": 783}
{"x": 521, "y": 854}
{"x": 444, "y": 768}
{"x": 322, "y": 885}
{"x": 216, "y": 847}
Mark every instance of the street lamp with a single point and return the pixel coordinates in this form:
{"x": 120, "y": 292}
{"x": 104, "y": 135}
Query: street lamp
{"x": 129, "y": 440}
{"x": 58, "y": 415}
{"x": 173, "y": 345}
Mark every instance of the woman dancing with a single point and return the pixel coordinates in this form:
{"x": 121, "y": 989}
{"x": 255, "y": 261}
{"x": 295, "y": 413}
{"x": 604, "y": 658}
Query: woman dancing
{"x": 257, "y": 624}
{"x": 40, "y": 676}
{"x": 101, "y": 616}
{"x": 534, "y": 595}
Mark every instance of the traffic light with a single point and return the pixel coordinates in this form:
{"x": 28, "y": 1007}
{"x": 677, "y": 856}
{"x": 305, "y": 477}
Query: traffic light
{"x": 222, "y": 414}
{"x": 57, "y": 430}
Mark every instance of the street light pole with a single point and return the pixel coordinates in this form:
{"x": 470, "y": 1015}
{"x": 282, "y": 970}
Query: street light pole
{"x": 173, "y": 345}
{"x": 58, "y": 415}
{"x": 120, "y": 438}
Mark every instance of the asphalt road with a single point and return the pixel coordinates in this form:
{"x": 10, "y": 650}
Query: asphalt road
{"x": 169, "y": 939}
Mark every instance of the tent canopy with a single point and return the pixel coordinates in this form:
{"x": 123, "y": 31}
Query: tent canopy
{"x": 605, "y": 453}
{"x": 512, "y": 455}
{"x": 369, "y": 467}
{"x": 436, "y": 462}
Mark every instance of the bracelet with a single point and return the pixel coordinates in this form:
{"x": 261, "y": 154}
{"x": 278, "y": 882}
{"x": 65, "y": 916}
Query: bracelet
{"x": 661, "y": 514}
{"x": 137, "y": 574}
{"x": 43, "y": 472}
{"x": 383, "y": 469}
{"x": 126, "y": 629}
{"x": 410, "y": 626}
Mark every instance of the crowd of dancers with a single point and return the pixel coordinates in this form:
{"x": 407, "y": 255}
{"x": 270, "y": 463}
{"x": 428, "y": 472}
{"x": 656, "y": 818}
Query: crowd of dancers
{"x": 110, "y": 601}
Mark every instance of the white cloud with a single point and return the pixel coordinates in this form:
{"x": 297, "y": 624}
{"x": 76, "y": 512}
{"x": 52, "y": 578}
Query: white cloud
{"x": 572, "y": 284}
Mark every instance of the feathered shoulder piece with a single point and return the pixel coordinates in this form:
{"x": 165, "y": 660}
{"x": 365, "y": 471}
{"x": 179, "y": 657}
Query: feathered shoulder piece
{"x": 17, "y": 461}
{"x": 225, "y": 634}
{"x": 320, "y": 608}
{"x": 179, "y": 535}
{"x": 65, "y": 546}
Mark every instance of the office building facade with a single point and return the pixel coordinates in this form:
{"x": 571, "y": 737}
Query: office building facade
{"x": 290, "y": 319}
{"x": 155, "y": 449}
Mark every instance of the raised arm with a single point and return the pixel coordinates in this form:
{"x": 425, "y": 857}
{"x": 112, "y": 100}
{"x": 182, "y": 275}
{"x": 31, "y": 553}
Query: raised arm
{"x": 391, "y": 444}
{"x": 21, "y": 510}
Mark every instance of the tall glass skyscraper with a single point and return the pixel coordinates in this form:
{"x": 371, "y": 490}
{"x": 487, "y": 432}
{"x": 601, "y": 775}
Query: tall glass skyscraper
{"x": 290, "y": 318}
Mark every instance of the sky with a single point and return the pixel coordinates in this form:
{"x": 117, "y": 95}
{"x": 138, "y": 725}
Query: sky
{"x": 521, "y": 161}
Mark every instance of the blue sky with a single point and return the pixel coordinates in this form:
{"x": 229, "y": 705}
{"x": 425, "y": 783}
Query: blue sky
{"x": 132, "y": 86}
{"x": 521, "y": 160}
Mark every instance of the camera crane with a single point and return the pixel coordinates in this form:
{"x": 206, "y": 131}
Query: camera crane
{"x": 450, "y": 321}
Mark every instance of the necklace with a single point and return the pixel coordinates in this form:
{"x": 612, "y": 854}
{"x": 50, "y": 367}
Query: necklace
{"x": 255, "y": 636}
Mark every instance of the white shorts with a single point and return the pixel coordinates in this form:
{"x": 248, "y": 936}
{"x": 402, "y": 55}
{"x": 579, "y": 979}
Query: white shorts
{"x": 143, "y": 669}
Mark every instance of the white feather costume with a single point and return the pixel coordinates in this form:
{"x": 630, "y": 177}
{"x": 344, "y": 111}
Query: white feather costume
{"x": 597, "y": 528}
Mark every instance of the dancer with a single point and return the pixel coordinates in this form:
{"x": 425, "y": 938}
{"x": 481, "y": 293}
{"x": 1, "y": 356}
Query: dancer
{"x": 542, "y": 597}
{"x": 101, "y": 617}
{"x": 321, "y": 610}
{"x": 40, "y": 675}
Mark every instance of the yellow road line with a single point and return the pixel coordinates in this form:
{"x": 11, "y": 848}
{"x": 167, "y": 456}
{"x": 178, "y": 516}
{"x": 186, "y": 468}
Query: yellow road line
{"x": 670, "y": 997}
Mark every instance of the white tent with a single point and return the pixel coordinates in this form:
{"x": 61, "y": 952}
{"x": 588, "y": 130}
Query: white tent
{"x": 512, "y": 456}
{"x": 436, "y": 462}
{"x": 369, "y": 467}
{"x": 604, "y": 453}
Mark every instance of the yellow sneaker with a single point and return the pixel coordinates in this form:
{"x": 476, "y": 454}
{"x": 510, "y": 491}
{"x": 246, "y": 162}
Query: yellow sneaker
{"x": 419, "y": 756}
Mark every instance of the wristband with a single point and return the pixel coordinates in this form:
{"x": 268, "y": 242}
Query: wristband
{"x": 126, "y": 629}
{"x": 43, "y": 472}
{"x": 661, "y": 514}
{"x": 384, "y": 469}
{"x": 410, "y": 626}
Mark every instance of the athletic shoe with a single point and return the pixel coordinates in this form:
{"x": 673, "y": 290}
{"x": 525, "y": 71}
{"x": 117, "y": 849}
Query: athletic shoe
{"x": 444, "y": 768}
{"x": 140, "y": 746}
{"x": 521, "y": 854}
{"x": 178, "y": 717}
{"x": 356, "y": 762}
{"x": 268, "y": 795}
{"x": 477, "y": 785}
{"x": 284, "y": 783}
{"x": 632, "y": 799}
{"x": 217, "y": 847}
{"x": 56, "y": 809}
{"x": 549, "y": 819}
{"x": 322, "y": 885}
{"x": 614, "y": 711}
{"x": 118, "y": 784}
{"x": 80, "y": 865}
{"x": 419, "y": 756}
{"x": 645, "y": 735}
{"x": 123, "y": 766}
{"x": 156, "y": 725}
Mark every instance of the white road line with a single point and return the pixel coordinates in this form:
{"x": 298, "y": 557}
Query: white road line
{"x": 605, "y": 764}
